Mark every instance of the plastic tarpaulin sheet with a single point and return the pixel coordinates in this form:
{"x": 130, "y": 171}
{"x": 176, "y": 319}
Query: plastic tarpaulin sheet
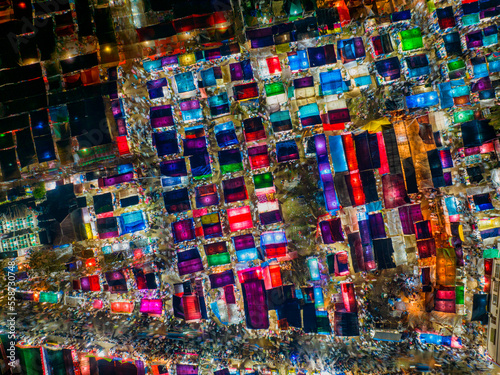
{"x": 8, "y": 165}
{"x": 384, "y": 253}
{"x": 200, "y": 165}
{"x": 436, "y": 168}
{"x": 399, "y": 246}
{"x": 116, "y": 281}
{"x": 387, "y": 336}
{"x": 107, "y": 227}
{"x": 365, "y": 149}
{"x": 25, "y": 147}
{"x": 342, "y": 189}
{"x": 254, "y": 297}
{"x": 286, "y": 151}
{"x": 392, "y": 152}
{"x": 356, "y": 247}
{"x": 309, "y": 318}
{"x": 477, "y": 132}
{"x": 480, "y": 308}
{"x": 445, "y": 266}
{"x": 166, "y": 143}
{"x": 393, "y": 222}
{"x": 131, "y": 222}
{"x": 408, "y": 215}
{"x": 369, "y": 186}
{"x": 103, "y": 203}
{"x": 189, "y": 261}
{"x": 183, "y": 230}
{"x": 410, "y": 176}
{"x": 394, "y": 191}
{"x": 377, "y": 226}
{"x": 331, "y": 231}
{"x": 346, "y": 324}
{"x": 30, "y": 360}
{"x": 337, "y": 153}
{"x": 177, "y": 200}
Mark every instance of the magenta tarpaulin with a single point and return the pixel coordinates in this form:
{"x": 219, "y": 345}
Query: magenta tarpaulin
{"x": 117, "y": 179}
{"x": 254, "y": 296}
{"x": 141, "y": 370}
{"x": 229, "y": 295}
{"x": 331, "y": 231}
{"x": 245, "y": 241}
{"x": 408, "y": 215}
{"x": 221, "y": 279}
{"x": 186, "y": 369}
{"x": 189, "y": 261}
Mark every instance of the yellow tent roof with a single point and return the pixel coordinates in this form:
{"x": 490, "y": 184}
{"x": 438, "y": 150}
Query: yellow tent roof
{"x": 376, "y": 125}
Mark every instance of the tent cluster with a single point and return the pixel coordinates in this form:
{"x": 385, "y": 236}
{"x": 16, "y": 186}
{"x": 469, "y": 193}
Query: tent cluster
{"x": 393, "y": 121}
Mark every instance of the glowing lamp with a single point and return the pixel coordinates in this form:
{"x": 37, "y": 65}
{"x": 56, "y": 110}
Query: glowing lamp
{"x": 187, "y": 59}
{"x": 295, "y": 8}
{"x": 90, "y": 262}
{"x": 97, "y": 304}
